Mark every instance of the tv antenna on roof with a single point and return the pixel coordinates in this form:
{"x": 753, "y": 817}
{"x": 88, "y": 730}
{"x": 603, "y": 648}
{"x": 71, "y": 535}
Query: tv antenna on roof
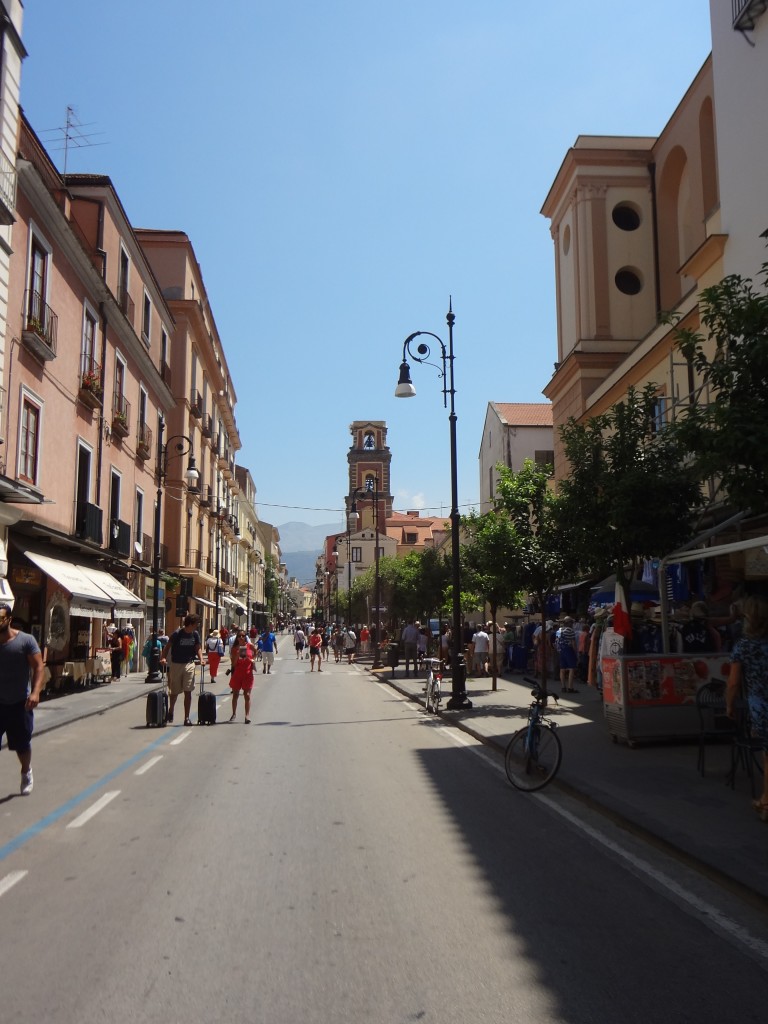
{"x": 72, "y": 136}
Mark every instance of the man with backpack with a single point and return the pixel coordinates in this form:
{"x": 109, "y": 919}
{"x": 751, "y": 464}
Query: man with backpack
{"x": 184, "y": 647}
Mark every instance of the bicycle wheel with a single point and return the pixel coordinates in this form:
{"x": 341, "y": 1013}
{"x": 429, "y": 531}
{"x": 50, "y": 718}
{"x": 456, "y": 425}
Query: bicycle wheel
{"x": 528, "y": 772}
{"x": 430, "y": 693}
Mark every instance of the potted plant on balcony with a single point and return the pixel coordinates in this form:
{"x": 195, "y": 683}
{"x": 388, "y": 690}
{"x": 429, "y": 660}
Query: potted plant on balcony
{"x": 89, "y": 381}
{"x": 36, "y": 325}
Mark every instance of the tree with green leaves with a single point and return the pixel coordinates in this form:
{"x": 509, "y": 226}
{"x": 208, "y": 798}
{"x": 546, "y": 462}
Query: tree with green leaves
{"x": 491, "y": 566}
{"x": 540, "y": 558}
{"x": 630, "y": 494}
{"x": 725, "y": 429}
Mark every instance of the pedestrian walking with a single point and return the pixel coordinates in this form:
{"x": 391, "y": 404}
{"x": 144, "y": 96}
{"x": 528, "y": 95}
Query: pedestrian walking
{"x": 241, "y": 673}
{"x": 409, "y": 638}
{"x": 214, "y": 648}
{"x": 21, "y": 682}
{"x": 151, "y": 643}
{"x": 316, "y": 649}
{"x": 184, "y": 649}
{"x": 480, "y": 646}
{"x": 565, "y": 639}
{"x": 337, "y": 643}
{"x": 350, "y": 644}
{"x": 748, "y": 678}
{"x": 299, "y": 642}
{"x": 268, "y": 649}
{"x": 116, "y": 654}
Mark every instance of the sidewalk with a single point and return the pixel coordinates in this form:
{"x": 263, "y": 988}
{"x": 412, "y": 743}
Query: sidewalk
{"x": 654, "y": 790}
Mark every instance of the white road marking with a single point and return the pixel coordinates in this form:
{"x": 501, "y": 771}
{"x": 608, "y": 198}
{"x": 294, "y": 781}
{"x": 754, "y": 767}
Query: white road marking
{"x": 100, "y": 804}
{"x": 150, "y": 764}
{"x": 10, "y": 880}
{"x": 701, "y": 908}
{"x": 180, "y": 738}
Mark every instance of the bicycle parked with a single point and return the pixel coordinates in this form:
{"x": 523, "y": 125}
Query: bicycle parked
{"x": 432, "y": 695}
{"x": 533, "y": 755}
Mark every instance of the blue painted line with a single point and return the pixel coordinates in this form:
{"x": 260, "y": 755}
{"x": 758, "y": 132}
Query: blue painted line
{"x": 54, "y": 816}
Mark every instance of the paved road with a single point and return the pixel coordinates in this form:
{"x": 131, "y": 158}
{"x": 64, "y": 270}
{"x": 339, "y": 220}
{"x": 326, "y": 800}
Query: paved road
{"x": 345, "y": 858}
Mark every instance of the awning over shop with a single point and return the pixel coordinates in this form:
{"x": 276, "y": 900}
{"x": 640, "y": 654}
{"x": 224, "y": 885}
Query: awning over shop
{"x": 203, "y": 601}
{"x": 95, "y": 593}
{"x": 6, "y": 594}
{"x": 239, "y": 608}
{"x": 126, "y": 603}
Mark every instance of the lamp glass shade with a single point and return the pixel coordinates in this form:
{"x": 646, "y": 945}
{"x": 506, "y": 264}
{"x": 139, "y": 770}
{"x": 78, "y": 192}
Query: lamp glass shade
{"x": 405, "y": 388}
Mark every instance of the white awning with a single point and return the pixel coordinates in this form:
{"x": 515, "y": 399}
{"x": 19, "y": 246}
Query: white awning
{"x": 6, "y": 594}
{"x": 203, "y": 601}
{"x": 126, "y": 602}
{"x": 95, "y": 593}
{"x": 84, "y": 591}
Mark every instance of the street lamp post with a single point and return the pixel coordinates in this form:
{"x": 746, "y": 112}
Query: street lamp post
{"x": 405, "y": 389}
{"x": 183, "y": 446}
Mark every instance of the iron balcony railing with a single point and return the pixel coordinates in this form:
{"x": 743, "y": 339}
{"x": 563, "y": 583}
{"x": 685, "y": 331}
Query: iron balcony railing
{"x": 40, "y": 319}
{"x": 7, "y": 189}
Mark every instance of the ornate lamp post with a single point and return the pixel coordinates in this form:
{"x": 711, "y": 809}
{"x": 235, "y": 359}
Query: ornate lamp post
{"x": 405, "y": 389}
{"x": 182, "y": 446}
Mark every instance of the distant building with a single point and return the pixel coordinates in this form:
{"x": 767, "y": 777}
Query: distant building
{"x": 513, "y": 432}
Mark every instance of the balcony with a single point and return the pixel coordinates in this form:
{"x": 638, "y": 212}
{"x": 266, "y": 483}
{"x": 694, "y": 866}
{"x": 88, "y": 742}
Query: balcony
{"x": 40, "y": 324}
{"x": 147, "y": 556}
{"x": 746, "y": 12}
{"x": 120, "y": 538}
{"x": 165, "y": 373}
{"x": 206, "y": 497}
{"x": 91, "y": 391}
{"x": 88, "y": 522}
{"x": 121, "y": 416}
{"x": 143, "y": 442}
{"x": 199, "y": 560}
{"x": 207, "y": 427}
{"x": 7, "y": 190}
{"x": 126, "y": 303}
{"x": 196, "y": 404}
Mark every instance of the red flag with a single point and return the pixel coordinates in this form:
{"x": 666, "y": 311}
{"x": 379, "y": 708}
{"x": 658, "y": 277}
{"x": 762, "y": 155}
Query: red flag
{"x": 622, "y": 623}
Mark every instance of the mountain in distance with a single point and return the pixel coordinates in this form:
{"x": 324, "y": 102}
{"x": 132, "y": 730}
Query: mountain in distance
{"x": 303, "y": 537}
{"x": 300, "y": 545}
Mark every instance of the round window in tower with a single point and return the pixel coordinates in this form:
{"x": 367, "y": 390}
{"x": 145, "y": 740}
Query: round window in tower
{"x": 626, "y": 216}
{"x": 628, "y": 281}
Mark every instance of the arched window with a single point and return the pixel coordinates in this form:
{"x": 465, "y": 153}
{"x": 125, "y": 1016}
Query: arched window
{"x": 368, "y": 441}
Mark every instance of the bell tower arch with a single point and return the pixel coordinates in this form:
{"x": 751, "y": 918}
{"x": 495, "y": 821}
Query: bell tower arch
{"x": 369, "y": 461}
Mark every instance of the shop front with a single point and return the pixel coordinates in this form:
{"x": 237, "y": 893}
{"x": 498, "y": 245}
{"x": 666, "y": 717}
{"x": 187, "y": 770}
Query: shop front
{"x": 67, "y": 607}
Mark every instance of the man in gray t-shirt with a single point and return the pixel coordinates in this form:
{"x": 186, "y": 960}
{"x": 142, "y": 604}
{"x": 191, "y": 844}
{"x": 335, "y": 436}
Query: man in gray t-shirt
{"x": 21, "y": 680}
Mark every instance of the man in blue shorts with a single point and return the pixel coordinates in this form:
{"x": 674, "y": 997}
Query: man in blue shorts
{"x": 268, "y": 649}
{"x": 21, "y": 680}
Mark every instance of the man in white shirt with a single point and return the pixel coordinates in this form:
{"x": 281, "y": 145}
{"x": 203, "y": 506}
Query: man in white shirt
{"x": 410, "y": 639}
{"x": 481, "y": 642}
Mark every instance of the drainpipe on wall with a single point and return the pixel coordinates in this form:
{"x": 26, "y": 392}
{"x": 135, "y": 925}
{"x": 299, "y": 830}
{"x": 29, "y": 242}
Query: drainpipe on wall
{"x": 100, "y": 449}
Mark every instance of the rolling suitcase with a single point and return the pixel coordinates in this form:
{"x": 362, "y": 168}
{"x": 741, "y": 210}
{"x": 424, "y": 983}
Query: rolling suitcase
{"x": 157, "y": 708}
{"x": 206, "y": 702}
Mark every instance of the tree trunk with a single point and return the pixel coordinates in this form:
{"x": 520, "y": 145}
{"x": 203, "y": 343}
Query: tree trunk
{"x": 493, "y": 649}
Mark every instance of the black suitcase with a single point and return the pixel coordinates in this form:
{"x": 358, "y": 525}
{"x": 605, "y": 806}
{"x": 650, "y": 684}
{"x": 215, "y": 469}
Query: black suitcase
{"x": 157, "y": 708}
{"x": 206, "y": 703}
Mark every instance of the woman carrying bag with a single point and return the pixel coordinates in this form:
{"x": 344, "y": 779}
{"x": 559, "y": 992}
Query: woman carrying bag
{"x": 214, "y": 648}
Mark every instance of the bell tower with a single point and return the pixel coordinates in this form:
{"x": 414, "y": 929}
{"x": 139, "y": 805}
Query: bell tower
{"x": 369, "y": 461}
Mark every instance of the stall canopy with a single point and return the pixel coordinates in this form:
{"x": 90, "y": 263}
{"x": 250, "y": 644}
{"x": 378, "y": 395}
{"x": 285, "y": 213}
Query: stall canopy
{"x": 94, "y": 593}
{"x": 604, "y": 592}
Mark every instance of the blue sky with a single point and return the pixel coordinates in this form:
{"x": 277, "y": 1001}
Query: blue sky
{"x": 342, "y": 168}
